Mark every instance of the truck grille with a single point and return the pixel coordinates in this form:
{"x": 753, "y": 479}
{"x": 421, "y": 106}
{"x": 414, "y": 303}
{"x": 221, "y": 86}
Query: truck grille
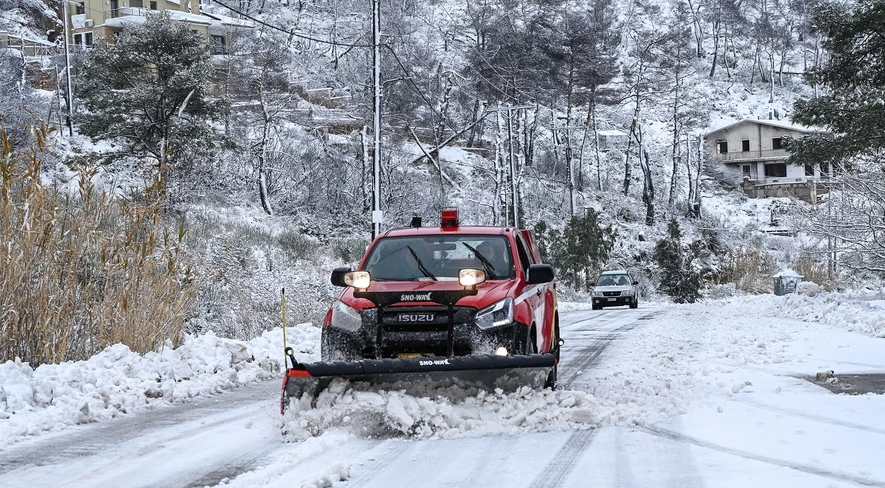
{"x": 423, "y": 319}
{"x": 611, "y": 293}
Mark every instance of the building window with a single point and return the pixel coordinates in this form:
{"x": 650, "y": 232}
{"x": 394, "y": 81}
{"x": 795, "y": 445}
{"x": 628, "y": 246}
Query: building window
{"x": 825, "y": 169}
{"x": 115, "y": 8}
{"x": 745, "y": 145}
{"x": 153, "y": 5}
{"x": 722, "y": 147}
{"x": 777, "y": 143}
{"x": 776, "y": 170}
{"x": 809, "y": 170}
{"x": 79, "y": 9}
{"x": 219, "y": 44}
{"x": 746, "y": 170}
{"x": 83, "y": 39}
{"x": 136, "y": 3}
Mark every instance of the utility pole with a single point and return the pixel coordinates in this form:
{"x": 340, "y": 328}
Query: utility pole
{"x": 70, "y": 87}
{"x": 570, "y": 165}
{"x": 377, "y": 215}
{"x": 513, "y": 184}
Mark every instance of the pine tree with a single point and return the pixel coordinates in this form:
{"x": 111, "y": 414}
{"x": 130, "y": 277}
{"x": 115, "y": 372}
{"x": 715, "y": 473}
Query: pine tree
{"x": 582, "y": 246}
{"x": 150, "y": 90}
{"x": 854, "y": 74}
{"x": 678, "y": 279}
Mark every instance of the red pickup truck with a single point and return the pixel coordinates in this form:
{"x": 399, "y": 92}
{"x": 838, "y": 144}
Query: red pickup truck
{"x": 441, "y": 304}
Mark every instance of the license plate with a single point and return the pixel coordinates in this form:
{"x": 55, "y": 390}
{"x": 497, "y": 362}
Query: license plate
{"x": 611, "y": 299}
{"x": 410, "y": 355}
{"x": 415, "y": 317}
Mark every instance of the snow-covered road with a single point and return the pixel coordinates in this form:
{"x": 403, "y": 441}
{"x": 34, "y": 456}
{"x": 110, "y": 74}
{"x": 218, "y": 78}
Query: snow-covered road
{"x": 664, "y": 397}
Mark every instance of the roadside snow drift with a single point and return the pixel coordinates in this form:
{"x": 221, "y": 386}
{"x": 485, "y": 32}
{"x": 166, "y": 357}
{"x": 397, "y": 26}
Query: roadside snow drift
{"x": 118, "y": 381}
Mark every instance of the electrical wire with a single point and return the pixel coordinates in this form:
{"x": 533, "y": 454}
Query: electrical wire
{"x": 289, "y": 32}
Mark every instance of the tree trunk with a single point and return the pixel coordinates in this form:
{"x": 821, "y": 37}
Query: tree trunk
{"x": 717, "y": 27}
{"x": 499, "y": 212}
{"x": 260, "y": 154}
{"x": 648, "y": 189}
{"x": 596, "y": 144}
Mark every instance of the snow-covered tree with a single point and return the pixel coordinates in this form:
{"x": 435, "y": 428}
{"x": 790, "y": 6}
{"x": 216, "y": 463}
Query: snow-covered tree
{"x": 852, "y": 107}
{"x": 678, "y": 278}
{"x": 151, "y": 91}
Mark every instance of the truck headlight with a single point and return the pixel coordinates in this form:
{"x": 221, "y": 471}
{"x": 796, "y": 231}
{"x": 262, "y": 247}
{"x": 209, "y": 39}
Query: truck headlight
{"x": 345, "y": 317}
{"x": 496, "y": 315}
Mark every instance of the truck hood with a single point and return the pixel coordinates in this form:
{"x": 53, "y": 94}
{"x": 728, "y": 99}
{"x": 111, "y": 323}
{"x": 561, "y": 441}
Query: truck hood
{"x": 487, "y": 293}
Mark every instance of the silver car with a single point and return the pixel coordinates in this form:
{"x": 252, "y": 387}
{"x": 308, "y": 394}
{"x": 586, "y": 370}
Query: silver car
{"x": 615, "y": 288}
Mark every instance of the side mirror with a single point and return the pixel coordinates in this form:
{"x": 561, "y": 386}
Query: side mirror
{"x": 539, "y": 273}
{"x": 338, "y": 276}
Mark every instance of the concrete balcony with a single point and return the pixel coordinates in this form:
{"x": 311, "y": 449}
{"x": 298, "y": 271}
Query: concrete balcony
{"x": 746, "y": 156}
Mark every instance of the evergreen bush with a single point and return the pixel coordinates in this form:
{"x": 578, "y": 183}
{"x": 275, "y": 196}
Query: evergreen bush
{"x": 678, "y": 278}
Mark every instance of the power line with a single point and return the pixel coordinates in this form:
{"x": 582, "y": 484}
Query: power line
{"x": 291, "y": 33}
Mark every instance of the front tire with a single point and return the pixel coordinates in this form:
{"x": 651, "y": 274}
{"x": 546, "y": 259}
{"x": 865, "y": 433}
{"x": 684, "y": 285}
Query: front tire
{"x": 552, "y": 376}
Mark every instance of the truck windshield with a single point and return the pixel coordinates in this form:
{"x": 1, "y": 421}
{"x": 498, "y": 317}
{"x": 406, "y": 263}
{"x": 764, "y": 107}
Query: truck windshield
{"x": 613, "y": 280}
{"x": 439, "y": 257}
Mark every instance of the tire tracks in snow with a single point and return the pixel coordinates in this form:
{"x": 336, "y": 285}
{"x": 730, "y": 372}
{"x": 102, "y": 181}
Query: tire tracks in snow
{"x": 565, "y": 460}
{"x": 95, "y": 438}
{"x": 810, "y": 416}
{"x": 589, "y": 354}
{"x": 388, "y": 451}
{"x": 804, "y": 468}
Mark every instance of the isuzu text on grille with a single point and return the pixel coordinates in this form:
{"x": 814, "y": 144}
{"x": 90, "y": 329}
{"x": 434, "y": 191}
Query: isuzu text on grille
{"x": 416, "y": 317}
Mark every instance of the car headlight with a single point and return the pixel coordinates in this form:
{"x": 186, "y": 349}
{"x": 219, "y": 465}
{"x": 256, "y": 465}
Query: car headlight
{"x": 496, "y": 315}
{"x": 597, "y": 293}
{"x": 345, "y": 317}
{"x": 628, "y": 293}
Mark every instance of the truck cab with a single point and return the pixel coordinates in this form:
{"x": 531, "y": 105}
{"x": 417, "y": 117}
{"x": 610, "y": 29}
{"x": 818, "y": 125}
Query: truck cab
{"x": 426, "y": 312}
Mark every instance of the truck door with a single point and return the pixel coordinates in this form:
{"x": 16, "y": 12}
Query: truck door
{"x": 533, "y": 296}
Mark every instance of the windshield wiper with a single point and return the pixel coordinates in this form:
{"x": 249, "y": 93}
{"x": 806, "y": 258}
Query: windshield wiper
{"x": 485, "y": 262}
{"x": 421, "y": 265}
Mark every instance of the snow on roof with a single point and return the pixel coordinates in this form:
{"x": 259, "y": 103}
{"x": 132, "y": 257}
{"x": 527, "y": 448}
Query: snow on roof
{"x": 788, "y": 273}
{"x": 230, "y": 21}
{"x": 612, "y": 132}
{"x": 772, "y": 123}
{"x": 135, "y": 16}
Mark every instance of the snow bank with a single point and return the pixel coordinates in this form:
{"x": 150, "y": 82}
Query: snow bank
{"x": 117, "y": 380}
{"x": 854, "y": 315}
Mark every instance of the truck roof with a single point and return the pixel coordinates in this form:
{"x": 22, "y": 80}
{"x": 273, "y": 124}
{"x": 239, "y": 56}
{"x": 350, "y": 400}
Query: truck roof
{"x": 614, "y": 271}
{"x": 464, "y": 229}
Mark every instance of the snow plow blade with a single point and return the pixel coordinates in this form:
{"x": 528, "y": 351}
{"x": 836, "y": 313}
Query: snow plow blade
{"x": 486, "y": 372}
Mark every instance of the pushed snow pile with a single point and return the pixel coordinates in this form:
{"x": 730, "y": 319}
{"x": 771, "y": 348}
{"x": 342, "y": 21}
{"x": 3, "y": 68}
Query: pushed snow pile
{"x": 851, "y": 314}
{"x": 451, "y": 413}
{"x": 117, "y": 380}
{"x": 809, "y": 288}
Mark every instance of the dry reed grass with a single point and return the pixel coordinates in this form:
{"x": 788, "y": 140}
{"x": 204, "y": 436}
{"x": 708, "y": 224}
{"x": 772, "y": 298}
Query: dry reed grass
{"x": 814, "y": 270}
{"x": 81, "y": 270}
{"x": 749, "y": 268}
